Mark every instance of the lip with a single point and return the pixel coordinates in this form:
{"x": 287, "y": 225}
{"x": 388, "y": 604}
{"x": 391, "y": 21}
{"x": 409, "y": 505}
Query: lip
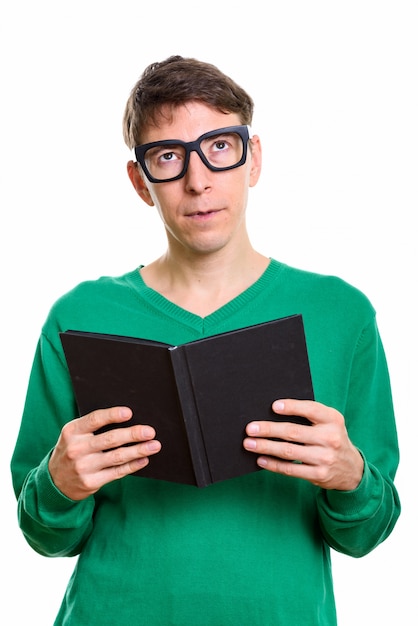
{"x": 203, "y": 213}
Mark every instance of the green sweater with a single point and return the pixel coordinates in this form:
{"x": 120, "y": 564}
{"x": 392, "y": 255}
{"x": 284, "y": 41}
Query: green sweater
{"x": 253, "y": 550}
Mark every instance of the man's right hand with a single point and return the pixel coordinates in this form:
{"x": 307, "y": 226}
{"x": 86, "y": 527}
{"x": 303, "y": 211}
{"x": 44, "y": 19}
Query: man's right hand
{"x": 82, "y": 461}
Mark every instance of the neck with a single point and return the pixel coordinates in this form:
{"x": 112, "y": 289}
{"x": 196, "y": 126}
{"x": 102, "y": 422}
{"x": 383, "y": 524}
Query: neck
{"x": 202, "y": 284}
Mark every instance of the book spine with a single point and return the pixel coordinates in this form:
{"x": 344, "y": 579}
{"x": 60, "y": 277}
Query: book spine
{"x": 190, "y": 416}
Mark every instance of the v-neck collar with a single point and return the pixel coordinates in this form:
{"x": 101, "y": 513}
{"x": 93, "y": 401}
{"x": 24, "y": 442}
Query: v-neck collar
{"x": 201, "y": 324}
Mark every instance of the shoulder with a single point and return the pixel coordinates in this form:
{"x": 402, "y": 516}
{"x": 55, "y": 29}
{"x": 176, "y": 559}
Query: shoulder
{"x": 93, "y": 288}
{"x": 91, "y": 301}
{"x": 322, "y": 290}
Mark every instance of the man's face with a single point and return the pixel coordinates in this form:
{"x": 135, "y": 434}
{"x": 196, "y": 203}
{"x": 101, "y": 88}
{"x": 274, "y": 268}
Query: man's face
{"x": 205, "y": 210}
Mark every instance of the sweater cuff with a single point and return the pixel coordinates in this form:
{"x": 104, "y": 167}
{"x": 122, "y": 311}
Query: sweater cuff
{"x": 50, "y": 498}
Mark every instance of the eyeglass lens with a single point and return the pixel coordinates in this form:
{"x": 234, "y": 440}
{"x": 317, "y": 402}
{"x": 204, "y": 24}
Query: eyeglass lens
{"x": 221, "y": 151}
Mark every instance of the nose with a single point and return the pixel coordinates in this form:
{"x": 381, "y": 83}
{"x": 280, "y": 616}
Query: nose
{"x": 197, "y": 176}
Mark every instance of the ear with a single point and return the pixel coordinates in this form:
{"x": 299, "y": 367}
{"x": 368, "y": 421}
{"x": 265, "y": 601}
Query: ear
{"x": 255, "y": 160}
{"x": 138, "y": 182}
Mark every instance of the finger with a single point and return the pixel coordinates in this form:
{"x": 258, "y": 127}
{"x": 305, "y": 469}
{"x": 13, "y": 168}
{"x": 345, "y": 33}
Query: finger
{"x": 288, "y": 431}
{"x": 127, "y": 454}
{"x": 284, "y": 450}
{"x": 116, "y": 472}
{"x": 100, "y": 476}
{"x": 117, "y": 437}
{"x": 315, "y": 412}
{"x": 291, "y": 468}
{"x": 102, "y": 417}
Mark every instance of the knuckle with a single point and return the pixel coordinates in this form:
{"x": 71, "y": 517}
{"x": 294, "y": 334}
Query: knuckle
{"x": 119, "y": 471}
{"x": 294, "y": 432}
{"x": 95, "y": 419}
{"x": 288, "y": 450}
{"x": 73, "y": 454}
{"x": 339, "y": 419}
{"x": 321, "y": 475}
{"x": 328, "y": 459}
{"x": 89, "y": 484}
{"x": 136, "y": 433}
{"x": 118, "y": 456}
{"x": 288, "y": 469}
{"x": 334, "y": 441}
{"x": 108, "y": 439}
{"x": 68, "y": 431}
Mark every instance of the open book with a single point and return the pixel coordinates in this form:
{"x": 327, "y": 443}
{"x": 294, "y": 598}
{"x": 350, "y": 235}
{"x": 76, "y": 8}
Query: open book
{"x": 199, "y": 396}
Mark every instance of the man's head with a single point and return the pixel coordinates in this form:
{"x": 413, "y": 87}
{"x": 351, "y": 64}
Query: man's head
{"x": 166, "y": 85}
{"x": 195, "y": 158}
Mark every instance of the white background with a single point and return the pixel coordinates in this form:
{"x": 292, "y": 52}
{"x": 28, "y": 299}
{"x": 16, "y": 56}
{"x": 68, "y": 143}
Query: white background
{"x": 335, "y": 87}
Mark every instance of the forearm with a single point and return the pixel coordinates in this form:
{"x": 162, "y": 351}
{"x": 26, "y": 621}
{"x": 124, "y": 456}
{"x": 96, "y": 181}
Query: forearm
{"x": 52, "y": 524}
{"x": 355, "y": 522}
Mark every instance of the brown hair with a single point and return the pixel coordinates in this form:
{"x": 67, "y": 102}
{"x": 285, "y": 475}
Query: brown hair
{"x": 167, "y": 84}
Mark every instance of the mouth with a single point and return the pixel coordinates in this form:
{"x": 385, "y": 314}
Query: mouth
{"x": 203, "y": 214}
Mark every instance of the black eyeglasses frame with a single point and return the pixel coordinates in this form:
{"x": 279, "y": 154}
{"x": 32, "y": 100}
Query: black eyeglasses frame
{"x": 194, "y": 146}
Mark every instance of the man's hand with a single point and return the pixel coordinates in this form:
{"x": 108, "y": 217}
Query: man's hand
{"x": 327, "y": 457}
{"x": 82, "y": 462}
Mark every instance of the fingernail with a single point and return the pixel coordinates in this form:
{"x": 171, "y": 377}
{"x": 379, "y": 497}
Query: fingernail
{"x": 278, "y": 405}
{"x": 147, "y": 432}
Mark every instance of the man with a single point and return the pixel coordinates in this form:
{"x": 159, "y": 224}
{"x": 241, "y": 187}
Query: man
{"x": 250, "y": 550}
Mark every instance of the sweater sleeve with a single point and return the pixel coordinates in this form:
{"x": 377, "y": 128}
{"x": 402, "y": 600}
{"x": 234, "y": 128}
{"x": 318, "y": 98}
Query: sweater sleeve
{"x": 355, "y": 522}
{"x": 52, "y": 524}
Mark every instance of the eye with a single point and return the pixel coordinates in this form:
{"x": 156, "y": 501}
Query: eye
{"x": 168, "y": 156}
{"x": 163, "y": 156}
{"x": 220, "y": 144}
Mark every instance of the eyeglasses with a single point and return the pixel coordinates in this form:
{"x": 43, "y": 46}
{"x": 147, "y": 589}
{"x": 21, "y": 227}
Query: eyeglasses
{"x": 220, "y": 150}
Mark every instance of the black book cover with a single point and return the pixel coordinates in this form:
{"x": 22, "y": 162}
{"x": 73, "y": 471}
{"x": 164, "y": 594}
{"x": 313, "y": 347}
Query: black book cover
{"x": 199, "y": 396}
